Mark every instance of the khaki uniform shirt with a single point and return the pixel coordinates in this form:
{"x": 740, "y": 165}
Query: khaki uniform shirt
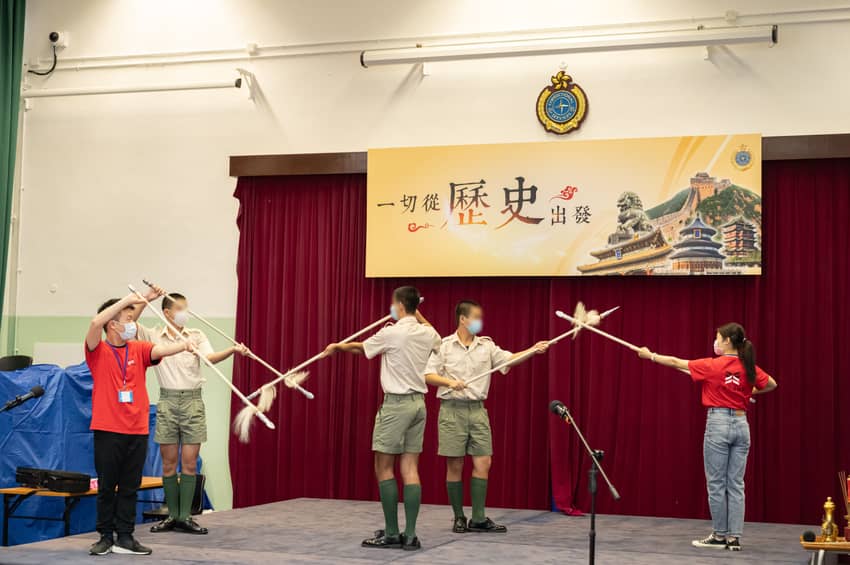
{"x": 183, "y": 370}
{"x": 454, "y": 360}
{"x": 404, "y": 348}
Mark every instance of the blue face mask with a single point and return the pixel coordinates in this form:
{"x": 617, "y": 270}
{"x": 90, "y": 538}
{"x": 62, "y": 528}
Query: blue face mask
{"x": 394, "y": 312}
{"x": 129, "y": 331}
{"x": 475, "y": 326}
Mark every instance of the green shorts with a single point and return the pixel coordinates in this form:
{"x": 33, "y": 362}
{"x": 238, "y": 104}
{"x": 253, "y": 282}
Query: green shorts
{"x": 464, "y": 427}
{"x": 180, "y": 417}
{"x": 400, "y": 424}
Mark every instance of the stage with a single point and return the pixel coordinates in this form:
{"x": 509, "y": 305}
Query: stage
{"x": 329, "y": 531}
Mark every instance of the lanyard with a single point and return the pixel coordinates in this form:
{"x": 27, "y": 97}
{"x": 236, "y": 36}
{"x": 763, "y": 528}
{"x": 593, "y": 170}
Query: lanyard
{"x": 118, "y": 360}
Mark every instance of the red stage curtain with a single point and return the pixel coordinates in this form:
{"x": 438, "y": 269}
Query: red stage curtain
{"x": 302, "y": 284}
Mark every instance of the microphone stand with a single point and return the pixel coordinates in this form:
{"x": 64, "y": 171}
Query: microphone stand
{"x": 595, "y": 467}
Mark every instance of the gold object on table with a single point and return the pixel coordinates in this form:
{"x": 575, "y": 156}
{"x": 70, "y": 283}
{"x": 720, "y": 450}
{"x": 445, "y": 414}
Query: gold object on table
{"x": 829, "y": 529}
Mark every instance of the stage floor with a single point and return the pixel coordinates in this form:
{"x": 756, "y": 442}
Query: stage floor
{"x": 329, "y": 531}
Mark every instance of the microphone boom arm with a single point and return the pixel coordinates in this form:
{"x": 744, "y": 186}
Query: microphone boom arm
{"x": 614, "y": 492}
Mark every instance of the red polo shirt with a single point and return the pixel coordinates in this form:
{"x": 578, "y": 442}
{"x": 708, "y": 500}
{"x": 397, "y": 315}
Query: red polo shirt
{"x": 724, "y": 381}
{"x": 110, "y": 375}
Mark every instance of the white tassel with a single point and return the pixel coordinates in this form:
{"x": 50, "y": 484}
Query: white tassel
{"x": 294, "y": 379}
{"x": 591, "y": 318}
{"x": 267, "y": 396}
{"x": 268, "y": 392}
{"x": 242, "y": 423}
{"x": 581, "y": 315}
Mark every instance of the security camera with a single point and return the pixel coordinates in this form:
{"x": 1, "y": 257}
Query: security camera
{"x": 58, "y": 39}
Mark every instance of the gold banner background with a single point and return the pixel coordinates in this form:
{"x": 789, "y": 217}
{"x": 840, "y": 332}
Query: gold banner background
{"x": 654, "y": 168}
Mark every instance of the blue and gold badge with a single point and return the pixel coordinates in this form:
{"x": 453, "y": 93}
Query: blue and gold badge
{"x": 742, "y": 158}
{"x": 562, "y": 106}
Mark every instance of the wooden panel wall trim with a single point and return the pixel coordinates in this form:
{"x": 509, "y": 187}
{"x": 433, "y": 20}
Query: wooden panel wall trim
{"x": 775, "y": 148}
{"x": 297, "y": 164}
{"x": 827, "y": 146}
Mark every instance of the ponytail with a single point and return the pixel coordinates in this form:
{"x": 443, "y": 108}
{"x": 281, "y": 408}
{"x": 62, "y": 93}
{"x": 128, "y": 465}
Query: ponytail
{"x": 746, "y": 351}
{"x": 747, "y": 356}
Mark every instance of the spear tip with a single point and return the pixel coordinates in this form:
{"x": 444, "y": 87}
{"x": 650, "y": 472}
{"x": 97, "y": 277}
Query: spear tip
{"x": 607, "y": 312}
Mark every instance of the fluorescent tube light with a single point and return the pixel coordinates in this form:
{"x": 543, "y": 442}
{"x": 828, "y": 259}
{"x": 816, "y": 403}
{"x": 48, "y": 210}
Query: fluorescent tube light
{"x": 565, "y": 45}
{"x": 48, "y": 93}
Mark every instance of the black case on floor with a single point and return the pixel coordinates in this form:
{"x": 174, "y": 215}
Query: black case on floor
{"x": 58, "y": 481}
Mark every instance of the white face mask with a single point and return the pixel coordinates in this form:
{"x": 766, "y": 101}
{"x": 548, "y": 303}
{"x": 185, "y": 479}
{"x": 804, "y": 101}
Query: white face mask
{"x": 129, "y": 331}
{"x": 717, "y": 349}
{"x": 181, "y": 317}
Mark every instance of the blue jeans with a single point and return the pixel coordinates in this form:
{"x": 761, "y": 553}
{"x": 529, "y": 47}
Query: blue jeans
{"x": 724, "y": 450}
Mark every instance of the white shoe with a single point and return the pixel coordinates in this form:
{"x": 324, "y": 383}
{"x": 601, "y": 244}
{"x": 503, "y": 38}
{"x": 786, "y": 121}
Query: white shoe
{"x": 710, "y": 541}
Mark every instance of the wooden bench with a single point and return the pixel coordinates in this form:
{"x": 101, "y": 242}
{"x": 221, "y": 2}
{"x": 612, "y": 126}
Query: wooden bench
{"x": 825, "y": 552}
{"x": 14, "y": 496}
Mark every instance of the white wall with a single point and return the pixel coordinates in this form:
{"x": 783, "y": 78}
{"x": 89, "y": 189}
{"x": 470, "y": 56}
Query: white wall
{"x": 121, "y": 187}
{"x": 104, "y": 171}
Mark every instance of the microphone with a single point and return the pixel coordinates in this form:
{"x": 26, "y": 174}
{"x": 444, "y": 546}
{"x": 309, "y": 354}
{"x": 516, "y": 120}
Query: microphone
{"x": 809, "y": 536}
{"x": 557, "y": 408}
{"x": 34, "y": 392}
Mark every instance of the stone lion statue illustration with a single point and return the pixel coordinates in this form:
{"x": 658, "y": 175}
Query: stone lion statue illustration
{"x": 631, "y": 220}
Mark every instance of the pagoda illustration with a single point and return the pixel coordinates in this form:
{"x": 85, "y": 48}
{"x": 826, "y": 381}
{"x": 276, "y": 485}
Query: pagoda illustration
{"x": 739, "y": 238}
{"x": 635, "y": 248}
{"x": 696, "y": 252}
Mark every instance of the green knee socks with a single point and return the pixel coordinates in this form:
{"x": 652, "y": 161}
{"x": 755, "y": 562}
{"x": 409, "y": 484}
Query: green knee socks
{"x": 172, "y": 495}
{"x": 389, "y": 502}
{"x": 455, "y": 490}
{"x": 187, "y": 494}
{"x": 412, "y": 500}
{"x": 478, "y": 490}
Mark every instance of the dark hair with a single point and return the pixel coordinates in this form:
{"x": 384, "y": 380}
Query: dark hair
{"x": 464, "y": 307}
{"x": 746, "y": 351}
{"x": 408, "y": 296}
{"x": 169, "y": 299}
{"x": 107, "y": 304}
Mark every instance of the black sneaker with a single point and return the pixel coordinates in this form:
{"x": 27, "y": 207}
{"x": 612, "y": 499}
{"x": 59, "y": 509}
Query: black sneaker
{"x": 164, "y": 526}
{"x": 710, "y": 541}
{"x": 127, "y": 545}
{"x": 459, "y": 526}
{"x": 190, "y": 526}
{"x": 487, "y": 525}
{"x": 733, "y": 544}
{"x": 411, "y": 544}
{"x": 103, "y": 546}
{"x": 383, "y": 541}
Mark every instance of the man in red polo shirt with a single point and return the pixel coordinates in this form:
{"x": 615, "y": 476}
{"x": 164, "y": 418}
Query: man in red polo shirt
{"x": 119, "y": 419}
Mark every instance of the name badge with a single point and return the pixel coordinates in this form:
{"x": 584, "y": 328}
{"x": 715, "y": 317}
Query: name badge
{"x": 125, "y": 396}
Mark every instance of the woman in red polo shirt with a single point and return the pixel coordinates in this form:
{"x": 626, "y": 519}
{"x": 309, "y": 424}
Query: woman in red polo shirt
{"x": 728, "y": 381}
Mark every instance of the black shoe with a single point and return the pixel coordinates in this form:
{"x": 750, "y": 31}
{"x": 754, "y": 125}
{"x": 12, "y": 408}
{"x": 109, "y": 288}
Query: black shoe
{"x": 410, "y": 544}
{"x": 128, "y": 545}
{"x": 487, "y": 525}
{"x": 710, "y": 541}
{"x": 103, "y": 546}
{"x": 164, "y": 526}
{"x": 459, "y": 526}
{"x": 733, "y": 544}
{"x": 190, "y": 526}
{"x": 383, "y": 541}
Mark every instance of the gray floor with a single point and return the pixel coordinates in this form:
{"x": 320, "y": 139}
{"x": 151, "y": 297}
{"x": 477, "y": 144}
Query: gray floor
{"x": 330, "y": 531}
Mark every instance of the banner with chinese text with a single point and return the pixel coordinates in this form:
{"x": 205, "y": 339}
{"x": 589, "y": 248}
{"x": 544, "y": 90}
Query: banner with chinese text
{"x": 653, "y": 206}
